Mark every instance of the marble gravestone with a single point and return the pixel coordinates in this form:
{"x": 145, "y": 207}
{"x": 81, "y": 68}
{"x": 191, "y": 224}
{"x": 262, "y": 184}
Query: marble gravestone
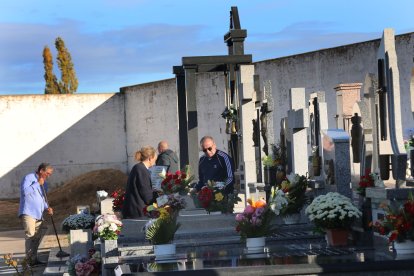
{"x": 336, "y": 161}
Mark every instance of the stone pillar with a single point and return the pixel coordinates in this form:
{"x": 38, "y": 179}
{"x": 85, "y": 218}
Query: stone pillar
{"x": 192, "y": 127}
{"x": 298, "y": 122}
{"x": 347, "y": 94}
{"x": 247, "y": 160}
{"x": 336, "y": 160}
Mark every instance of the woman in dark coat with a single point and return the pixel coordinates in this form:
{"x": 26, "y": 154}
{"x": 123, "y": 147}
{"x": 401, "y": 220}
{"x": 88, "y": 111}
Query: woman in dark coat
{"x": 139, "y": 193}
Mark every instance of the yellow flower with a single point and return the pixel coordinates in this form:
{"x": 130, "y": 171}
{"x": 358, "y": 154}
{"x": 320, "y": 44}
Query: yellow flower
{"x": 285, "y": 185}
{"x": 219, "y": 196}
{"x": 163, "y": 213}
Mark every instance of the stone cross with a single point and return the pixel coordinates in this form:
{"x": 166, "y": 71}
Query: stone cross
{"x": 298, "y": 122}
{"x": 318, "y": 117}
{"x": 390, "y": 127}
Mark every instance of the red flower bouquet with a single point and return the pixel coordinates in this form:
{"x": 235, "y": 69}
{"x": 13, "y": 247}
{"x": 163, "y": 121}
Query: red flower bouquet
{"x": 177, "y": 182}
{"x": 118, "y": 200}
{"x": 398, "y": 222}
{"x": 212, "y": 198}
{"x": 367, "y": 180}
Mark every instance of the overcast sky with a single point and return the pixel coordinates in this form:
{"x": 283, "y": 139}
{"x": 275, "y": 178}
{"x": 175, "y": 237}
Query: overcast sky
{"x": 127, "y": 42}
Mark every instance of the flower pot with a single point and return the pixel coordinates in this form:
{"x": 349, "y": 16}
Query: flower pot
{"x": 163, "y": 250}
{"x": 405, "y": 247}
{"x": 255, "y": 244}
{"x": 337, "y": 237}
{"x": 292, "y": 218}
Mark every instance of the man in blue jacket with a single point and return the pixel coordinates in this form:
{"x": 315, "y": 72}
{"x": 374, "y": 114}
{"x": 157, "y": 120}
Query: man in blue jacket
{"x": 32, "y": 205}
{"x": 215, "y": 165}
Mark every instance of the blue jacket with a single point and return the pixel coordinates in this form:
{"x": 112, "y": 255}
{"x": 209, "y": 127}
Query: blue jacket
{"x": 219, "y": 167}
{"x": 32, "y": 199}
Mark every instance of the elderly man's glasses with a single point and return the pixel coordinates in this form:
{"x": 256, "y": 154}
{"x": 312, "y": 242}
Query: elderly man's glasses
{"x": 208, "y": 149}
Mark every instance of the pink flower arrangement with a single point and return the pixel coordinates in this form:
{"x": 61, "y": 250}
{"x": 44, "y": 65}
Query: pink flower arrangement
{"x": 255, "y": 220}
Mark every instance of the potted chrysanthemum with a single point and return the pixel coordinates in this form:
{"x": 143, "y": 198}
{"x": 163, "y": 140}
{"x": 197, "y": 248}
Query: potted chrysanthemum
{"x": 333, "y": 214}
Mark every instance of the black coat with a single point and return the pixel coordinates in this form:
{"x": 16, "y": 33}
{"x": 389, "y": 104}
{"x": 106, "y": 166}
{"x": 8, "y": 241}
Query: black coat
{"x": 138, "y": 193}
{"x": 169, "y": 159}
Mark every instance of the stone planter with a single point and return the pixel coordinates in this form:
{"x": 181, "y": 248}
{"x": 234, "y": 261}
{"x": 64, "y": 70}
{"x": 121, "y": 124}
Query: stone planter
{"x": 164, "y": 250}
{"x": 109, "y": 248}
{"x": 255, "y": 244}
{"x": 292, "y": 218}
{"x": 406, "y": 247}
{"x": 337, "y": 237}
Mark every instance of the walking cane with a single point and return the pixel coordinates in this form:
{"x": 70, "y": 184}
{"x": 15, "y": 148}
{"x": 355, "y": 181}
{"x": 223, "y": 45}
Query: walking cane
{"x": 61, "y": 253}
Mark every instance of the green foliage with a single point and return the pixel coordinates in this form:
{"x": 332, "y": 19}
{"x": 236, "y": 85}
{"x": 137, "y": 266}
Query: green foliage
{"x": 69, "y": 82}
{"x": 295, "y": 191}
{"x": 268, "y": 161}
{"x": 52, "y": 86}
{"x": 162, "y": 231}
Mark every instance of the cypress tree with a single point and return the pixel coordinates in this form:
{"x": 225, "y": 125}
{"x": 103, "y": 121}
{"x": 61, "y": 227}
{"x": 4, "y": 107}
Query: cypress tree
{"x": 52, "y": 86}
{"x": 68, "y": 83}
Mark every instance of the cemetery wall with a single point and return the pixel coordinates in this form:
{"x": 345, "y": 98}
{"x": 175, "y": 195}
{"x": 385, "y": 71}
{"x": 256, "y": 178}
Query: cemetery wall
{"x": 84, "y": 132}
{"x": 323, "y": 70}
{"x": 76, "y": 133}
{"x": 151, "y": 113}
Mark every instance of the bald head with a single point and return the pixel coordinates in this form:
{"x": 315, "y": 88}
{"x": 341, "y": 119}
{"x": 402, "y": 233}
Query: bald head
{"x": 162, "y": 146}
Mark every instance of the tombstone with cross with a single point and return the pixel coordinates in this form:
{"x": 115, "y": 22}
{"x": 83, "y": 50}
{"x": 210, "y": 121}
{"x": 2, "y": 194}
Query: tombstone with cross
{"x": 297, "y": 123}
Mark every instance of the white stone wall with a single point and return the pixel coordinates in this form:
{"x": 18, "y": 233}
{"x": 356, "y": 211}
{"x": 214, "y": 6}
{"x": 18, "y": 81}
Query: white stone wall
{"x": 75, "y": 133}
{"x": 151, "y": 116}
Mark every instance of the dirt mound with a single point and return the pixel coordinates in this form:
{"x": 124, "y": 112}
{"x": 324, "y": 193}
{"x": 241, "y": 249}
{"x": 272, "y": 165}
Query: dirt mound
{"x": 82, "y": 191}
{"x": 79, "y": 191}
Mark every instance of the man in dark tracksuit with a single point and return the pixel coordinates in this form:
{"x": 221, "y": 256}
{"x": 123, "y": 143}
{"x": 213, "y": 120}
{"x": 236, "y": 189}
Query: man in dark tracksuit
{"x": 215, "y": 165}
{"x": 167, "y": 157}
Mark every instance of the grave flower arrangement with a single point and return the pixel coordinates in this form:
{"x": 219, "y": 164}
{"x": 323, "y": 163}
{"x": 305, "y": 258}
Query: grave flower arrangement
{"x": 368, "y": 180}
{"x": 161, "y": 228}
{"x": 85, "y": 265}
{"x": 212, "y": 198}
{"x": 294, "y": 187}
{"x": 398, "y": 223}
{"x": 178, "y": 182}
{"x": 277, "y": 200}
{"x": 107, "y": 227}
{"x": 78, "y": 221}
{"x": 118, "y": 200}
{"x": 255, "y": 220}
{"x": 332, "y": 211}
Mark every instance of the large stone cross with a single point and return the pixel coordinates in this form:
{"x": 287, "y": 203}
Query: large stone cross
{"x": 298, "y": 122}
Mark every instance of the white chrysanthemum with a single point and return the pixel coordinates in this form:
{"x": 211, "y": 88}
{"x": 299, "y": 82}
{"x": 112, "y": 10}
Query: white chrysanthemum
{"x": 113, "y": 227}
